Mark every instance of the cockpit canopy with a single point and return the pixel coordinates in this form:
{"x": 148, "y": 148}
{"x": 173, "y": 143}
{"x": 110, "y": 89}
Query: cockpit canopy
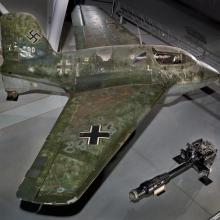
{"x": 163, "y": 57}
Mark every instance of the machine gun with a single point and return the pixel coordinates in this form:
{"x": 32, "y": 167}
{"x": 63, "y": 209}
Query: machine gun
{"x": 199, "y": 155}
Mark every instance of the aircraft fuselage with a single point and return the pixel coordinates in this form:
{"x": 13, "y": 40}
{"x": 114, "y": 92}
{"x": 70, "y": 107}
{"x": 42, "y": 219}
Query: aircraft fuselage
{"x": 111, "y": 66}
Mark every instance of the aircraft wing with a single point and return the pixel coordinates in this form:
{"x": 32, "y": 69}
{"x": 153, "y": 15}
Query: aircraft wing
{"x": 94, "y": 28}
{"x": 91, "y": 129}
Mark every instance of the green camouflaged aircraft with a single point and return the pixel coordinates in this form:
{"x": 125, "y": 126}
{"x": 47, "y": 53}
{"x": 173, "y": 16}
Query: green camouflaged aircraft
{"x": 111, "y": 88}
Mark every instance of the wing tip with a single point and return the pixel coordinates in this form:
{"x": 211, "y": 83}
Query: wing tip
{"x": 37, "y": 200}
{"x": 29, "y": 192}
{"x": 69, "y": 202}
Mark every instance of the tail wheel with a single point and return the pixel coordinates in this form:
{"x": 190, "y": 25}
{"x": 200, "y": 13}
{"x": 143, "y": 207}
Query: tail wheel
{"x": 12, "y": 96}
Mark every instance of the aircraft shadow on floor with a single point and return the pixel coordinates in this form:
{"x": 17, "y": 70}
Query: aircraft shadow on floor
{"x": 193, "y": 96}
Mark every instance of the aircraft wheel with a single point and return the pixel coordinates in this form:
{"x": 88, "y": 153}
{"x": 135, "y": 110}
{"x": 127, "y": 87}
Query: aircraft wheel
{"x": 12, "y": 96}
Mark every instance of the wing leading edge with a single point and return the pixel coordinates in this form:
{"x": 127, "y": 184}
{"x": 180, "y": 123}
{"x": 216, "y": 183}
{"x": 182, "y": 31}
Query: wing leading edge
{"x": 91, "y": 129}
{"x": 94, "y": 28}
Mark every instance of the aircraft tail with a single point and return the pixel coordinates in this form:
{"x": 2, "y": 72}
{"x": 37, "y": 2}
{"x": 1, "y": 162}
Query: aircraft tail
{"x": 22, "y": 38}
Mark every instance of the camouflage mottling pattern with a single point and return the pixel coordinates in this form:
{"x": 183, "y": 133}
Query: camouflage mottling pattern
{"x": 110, "y": 86}
{"x": 71, "y": 163}
{"x": 94, "y": 28}
{"x": 16, "y": 28}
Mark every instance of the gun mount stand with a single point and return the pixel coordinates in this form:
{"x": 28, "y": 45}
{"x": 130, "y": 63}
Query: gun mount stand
{"x": 199, "y": 155}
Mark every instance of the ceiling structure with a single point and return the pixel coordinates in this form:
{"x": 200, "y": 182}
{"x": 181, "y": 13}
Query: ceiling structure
{"x": 207, "y": 7}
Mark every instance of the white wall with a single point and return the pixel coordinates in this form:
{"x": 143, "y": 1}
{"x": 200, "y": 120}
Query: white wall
{"x": 57, "y": 12}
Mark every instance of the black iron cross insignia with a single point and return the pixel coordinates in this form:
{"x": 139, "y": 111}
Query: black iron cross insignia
{"x": 33, "y": 36}
{"x": 94, "y": 135}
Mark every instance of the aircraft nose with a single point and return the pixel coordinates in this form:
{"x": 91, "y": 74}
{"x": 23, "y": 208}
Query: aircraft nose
{"x": 210, "y": 73}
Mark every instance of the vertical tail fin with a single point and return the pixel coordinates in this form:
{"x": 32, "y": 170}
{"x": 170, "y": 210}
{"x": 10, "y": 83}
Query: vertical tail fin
{"x": 22, "y": 38}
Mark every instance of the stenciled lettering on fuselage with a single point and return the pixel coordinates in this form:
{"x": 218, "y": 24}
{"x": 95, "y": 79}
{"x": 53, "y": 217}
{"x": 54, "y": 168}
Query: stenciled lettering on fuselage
{"x": 24, "y": 51}
{"x": 33, "y": 36}
{"x": 27, "y": 52}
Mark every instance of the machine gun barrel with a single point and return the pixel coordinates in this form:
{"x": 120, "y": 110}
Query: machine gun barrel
{"x": 180, "y": 169}
{"x": 149, "y": 187}
{"x": 156, "y": 186}
{"x": 199, "y": 155}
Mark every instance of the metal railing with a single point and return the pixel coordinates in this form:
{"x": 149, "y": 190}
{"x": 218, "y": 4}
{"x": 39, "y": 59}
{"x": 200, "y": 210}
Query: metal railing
{"x": 164, "y": 34}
